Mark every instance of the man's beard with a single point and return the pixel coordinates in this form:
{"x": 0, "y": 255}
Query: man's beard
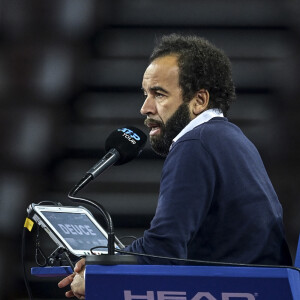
{"x": 162, "y": 142}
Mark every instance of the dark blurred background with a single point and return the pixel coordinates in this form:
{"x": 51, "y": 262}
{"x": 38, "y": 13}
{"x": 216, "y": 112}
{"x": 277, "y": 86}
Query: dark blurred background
{"x": 70, "y": 73}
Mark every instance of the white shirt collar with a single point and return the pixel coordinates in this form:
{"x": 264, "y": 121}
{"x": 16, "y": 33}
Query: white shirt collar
{"x": 202, "y": 118}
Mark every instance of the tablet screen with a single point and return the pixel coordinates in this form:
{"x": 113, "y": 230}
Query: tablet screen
{"x": 76, "y": 229}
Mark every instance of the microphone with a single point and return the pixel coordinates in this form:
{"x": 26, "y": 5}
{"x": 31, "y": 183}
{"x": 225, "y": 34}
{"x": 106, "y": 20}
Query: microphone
{"x": 122, "y": 145}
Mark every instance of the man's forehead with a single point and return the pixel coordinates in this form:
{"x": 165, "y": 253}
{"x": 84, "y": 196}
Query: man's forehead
{"x": 171, "y": 59}
{"x": 161, "y": 69}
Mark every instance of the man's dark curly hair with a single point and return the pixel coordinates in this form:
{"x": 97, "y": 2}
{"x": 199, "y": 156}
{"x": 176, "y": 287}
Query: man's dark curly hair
{"x": 201, "y": 66}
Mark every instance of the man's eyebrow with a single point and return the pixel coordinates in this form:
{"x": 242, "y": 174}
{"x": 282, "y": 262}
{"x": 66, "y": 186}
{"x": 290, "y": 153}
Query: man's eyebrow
{"x": 155, "y": 89}
{"x": 158, "y": 88}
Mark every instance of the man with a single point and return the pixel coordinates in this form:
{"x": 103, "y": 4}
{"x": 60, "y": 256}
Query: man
{"x": 216, "y": 201}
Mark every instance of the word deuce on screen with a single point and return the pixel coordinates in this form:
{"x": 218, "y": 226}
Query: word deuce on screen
{"x": 172, "y": 295}
{"x": 76, "y": 229}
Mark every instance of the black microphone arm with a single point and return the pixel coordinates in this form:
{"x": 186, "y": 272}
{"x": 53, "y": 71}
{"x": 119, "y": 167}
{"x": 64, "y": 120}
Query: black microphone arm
{"x": 99, "y": 207}
{"x": 123, "y": 145}
{"x": 107, "y": 161}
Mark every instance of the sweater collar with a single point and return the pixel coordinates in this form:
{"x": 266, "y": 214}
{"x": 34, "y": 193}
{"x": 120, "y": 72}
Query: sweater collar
{"x": 202, "y": 118}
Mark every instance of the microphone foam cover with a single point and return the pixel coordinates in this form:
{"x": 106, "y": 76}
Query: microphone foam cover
{"x": 128, "y": 141}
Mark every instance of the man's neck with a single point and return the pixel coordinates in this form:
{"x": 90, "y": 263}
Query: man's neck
{"x": 202, "y": 118}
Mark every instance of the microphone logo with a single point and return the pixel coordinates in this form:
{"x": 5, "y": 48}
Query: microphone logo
{"x": 130, "y": 135}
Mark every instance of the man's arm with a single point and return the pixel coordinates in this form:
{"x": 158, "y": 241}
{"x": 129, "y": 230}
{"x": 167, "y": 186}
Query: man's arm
{"x": 186, "y": 191}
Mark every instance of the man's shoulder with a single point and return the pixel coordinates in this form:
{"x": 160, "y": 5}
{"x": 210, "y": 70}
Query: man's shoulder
{"x": 214, "y": 128}
{"x": 214, "y": 135}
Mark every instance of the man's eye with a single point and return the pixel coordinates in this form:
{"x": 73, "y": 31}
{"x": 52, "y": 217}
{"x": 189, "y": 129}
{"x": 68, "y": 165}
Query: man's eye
{"x": 159, "y": 95}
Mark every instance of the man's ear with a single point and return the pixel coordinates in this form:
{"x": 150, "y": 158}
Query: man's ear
{"x": 199, "y": 103}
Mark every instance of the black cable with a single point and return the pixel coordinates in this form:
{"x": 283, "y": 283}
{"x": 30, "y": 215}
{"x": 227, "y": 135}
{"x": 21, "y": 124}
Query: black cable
{"x": 204, "y": 262}
{"x": 39, "y": 250}
{"x": 198, "y": 262}
{"x": 23, "y": 265}
{"x": 69, "y": 260}
{"x": 92, "y": 249}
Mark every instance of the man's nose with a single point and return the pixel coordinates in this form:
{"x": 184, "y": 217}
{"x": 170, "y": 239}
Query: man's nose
{"x": 148, "y": 107}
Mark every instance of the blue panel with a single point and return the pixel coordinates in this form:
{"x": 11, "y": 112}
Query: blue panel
{"x": 294, "y": 280}
{"x": 51, "y": 271}
{"x": 297, "y": 259}
{"x": 189, "y": 283}
{"x": 138, "y": 282}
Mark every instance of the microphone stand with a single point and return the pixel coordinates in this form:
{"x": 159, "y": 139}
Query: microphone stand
{"x": 104, "y": 259}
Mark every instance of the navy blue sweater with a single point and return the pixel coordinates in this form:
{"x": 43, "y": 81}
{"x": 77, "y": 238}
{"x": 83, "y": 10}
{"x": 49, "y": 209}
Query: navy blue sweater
{"x": 216, "y": 202}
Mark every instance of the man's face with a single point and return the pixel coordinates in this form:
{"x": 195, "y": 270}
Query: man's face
{"x": 166, "y": 112}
